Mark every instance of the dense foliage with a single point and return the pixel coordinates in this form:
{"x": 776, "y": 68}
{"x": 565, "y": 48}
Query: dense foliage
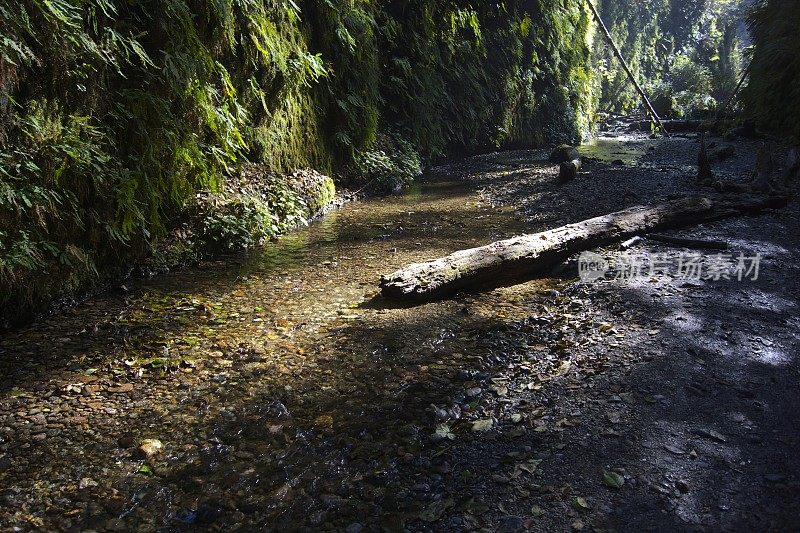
{"x": 115, "y": 113}
{"x": 773, "y": 94}
{"x": 686, "y": 53}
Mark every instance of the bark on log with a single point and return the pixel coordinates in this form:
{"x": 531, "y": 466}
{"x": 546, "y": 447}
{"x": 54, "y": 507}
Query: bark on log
{"x": 504, "y": 262}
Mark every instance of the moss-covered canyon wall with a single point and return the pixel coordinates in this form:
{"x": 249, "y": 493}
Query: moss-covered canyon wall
{"x": 114, "y": 114}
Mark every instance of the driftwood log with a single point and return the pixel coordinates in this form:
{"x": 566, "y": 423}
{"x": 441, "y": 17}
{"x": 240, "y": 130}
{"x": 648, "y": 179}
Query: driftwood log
{"x": 504, "y": 262}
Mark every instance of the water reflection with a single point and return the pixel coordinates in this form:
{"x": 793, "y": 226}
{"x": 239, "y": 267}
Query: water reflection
{"x": 627, "y": 149}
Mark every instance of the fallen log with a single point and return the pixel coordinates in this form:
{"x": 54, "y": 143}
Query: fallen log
{"x": 673, "y": 126}
{"x": 505, "y": 262}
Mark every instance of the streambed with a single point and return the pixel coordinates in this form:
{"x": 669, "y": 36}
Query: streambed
{"x": 288, "y": 396}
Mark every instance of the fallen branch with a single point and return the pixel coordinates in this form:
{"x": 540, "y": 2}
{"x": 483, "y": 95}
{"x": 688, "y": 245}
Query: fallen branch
{"x": 504, "y": 262}
{"x": 630, "y": 243}
{"x": 698, "y": 244}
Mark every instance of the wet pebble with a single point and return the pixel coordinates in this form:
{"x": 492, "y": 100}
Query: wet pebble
{"x": 148, "y": 448}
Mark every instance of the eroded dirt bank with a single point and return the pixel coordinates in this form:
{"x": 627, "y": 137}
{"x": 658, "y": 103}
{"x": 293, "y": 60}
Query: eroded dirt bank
{"x": 288, "y": 396}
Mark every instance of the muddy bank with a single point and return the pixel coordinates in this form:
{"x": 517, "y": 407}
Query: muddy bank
{"x": 287, "y": 395}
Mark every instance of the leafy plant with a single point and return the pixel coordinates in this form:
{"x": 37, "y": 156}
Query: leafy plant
{"x": 684, "y": 90}
{"x": 389, "y": 167}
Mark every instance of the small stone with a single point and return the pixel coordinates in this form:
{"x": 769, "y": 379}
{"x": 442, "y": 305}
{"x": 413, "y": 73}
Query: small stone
{"x": 474, "y": 392}
{"x": 511, "y": 524}
{"x": 148, "y": 448}
{"x": 355, "y": 527}
{"x": 682, "y": 486}
{"x": 87, "y": 483}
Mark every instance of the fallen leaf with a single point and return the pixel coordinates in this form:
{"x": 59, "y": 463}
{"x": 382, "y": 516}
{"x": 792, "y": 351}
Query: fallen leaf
{"x": 500, "y": 390}
{"x": 580, "y": 504}
{"x": 435, "y": 510}
{"x": 443, "y": 432}
{"x": 484, "y": 424}
{"x": 86, "y": 483}
{"x": 674, "y": 449}
{"x": 612, "y": 479}
{"x": 324, "y": 421}
{"x": 710, "y": 434}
